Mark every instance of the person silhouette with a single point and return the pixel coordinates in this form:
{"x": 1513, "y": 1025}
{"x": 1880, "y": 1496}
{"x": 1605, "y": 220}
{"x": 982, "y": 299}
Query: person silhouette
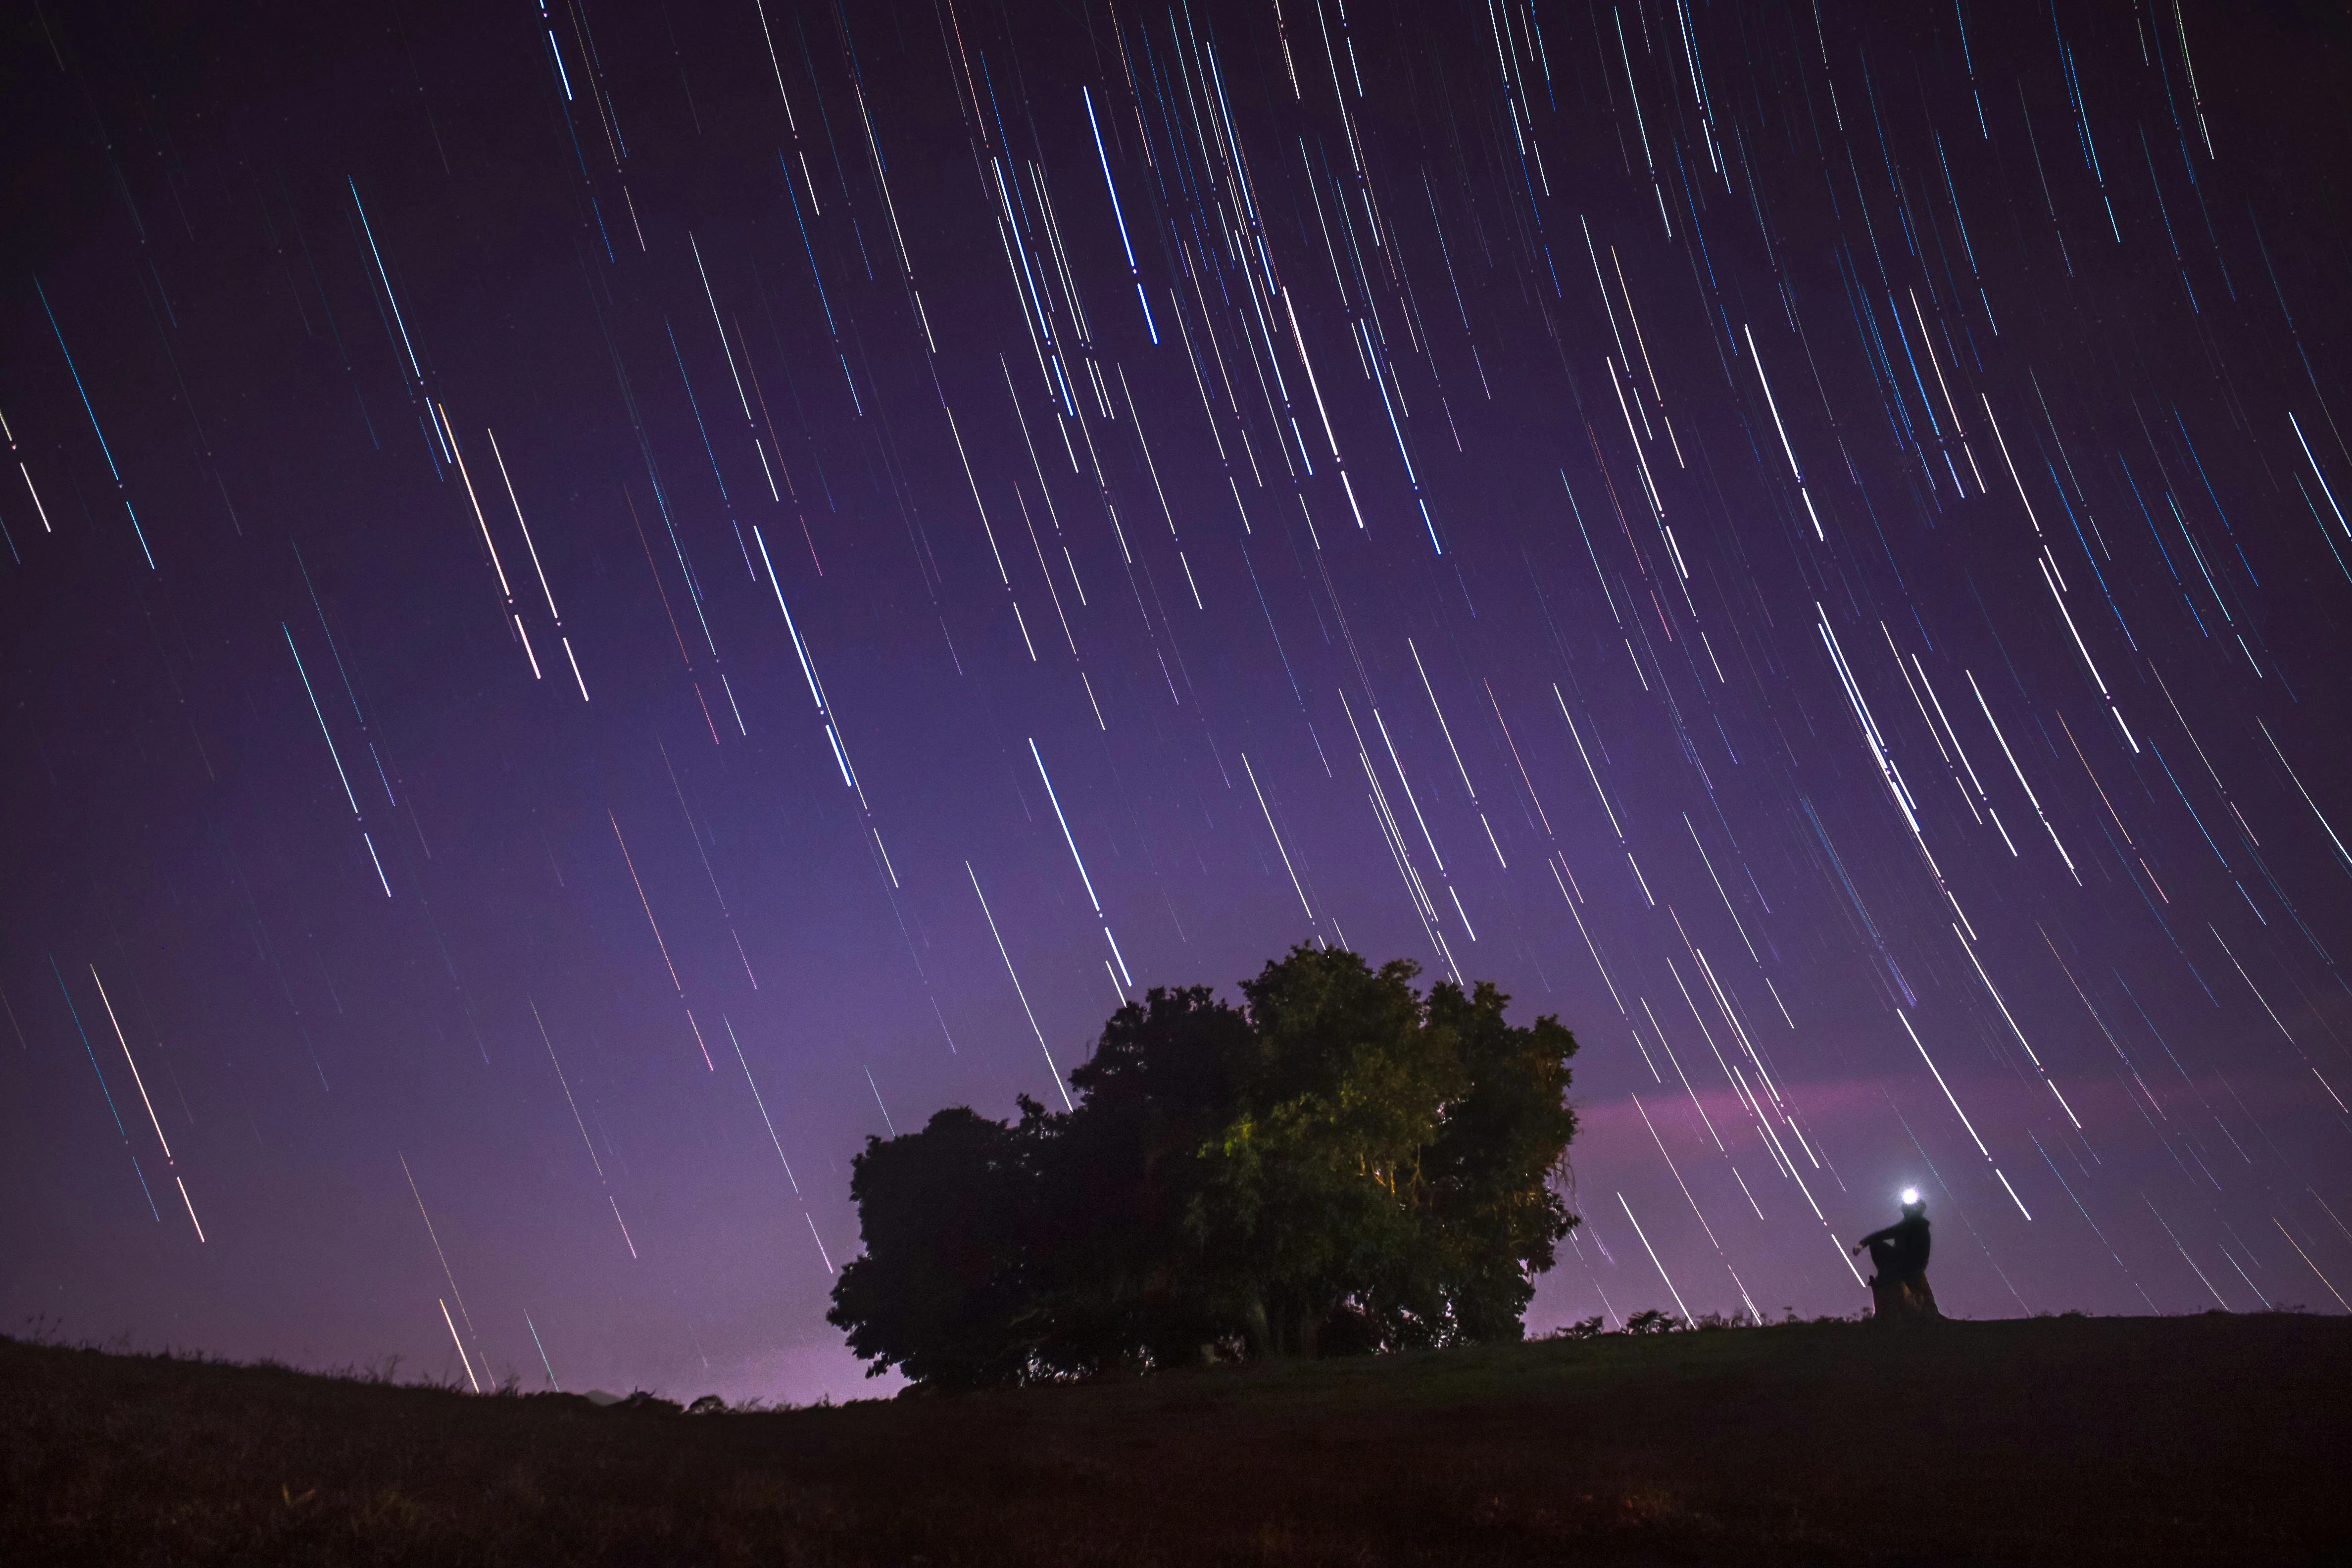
{"x": 1899, "y": 1253}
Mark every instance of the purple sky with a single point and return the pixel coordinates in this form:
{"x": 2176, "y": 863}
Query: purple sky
{"x": 1813, "y": 553}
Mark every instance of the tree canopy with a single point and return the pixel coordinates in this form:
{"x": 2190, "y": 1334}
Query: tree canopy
{"x": 1339, "y": 1164}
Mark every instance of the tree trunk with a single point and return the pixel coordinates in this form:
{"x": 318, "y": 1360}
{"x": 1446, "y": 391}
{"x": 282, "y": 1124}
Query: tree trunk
{"x": 1257, "y": 1330}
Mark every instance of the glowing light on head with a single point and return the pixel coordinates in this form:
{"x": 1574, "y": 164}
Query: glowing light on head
{"x": 1910, "y": 1195}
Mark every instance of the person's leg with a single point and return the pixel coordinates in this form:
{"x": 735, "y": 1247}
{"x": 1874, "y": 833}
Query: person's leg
{"x": 1882, "y": 1259}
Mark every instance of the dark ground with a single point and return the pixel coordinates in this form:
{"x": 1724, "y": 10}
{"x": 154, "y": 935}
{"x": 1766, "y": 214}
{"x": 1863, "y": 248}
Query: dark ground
{"x": 2054, "y": 1440}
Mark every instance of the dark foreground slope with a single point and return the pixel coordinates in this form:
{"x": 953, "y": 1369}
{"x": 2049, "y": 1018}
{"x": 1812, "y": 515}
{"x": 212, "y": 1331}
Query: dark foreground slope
{"x": 2055, "y": 1440}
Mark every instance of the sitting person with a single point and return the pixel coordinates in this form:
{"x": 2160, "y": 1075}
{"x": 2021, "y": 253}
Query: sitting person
{"x": 1899, "y": 1255}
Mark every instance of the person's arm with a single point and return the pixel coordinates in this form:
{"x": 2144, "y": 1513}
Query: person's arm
{"x": 1886, "y": 1235}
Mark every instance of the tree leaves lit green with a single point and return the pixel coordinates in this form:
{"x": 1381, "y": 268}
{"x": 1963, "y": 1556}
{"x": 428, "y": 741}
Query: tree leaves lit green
{"x": 1339, "y": 1163}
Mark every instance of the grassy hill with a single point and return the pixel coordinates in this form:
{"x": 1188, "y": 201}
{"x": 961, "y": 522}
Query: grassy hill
{"x": 2052, "y": 1441}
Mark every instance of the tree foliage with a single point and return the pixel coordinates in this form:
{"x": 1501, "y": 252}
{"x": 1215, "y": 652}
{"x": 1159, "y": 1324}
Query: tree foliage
{"x": 1339, "y": 1163}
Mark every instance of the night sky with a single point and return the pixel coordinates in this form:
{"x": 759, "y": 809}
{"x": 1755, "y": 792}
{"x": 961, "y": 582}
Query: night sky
{"x": 601, "y": 602}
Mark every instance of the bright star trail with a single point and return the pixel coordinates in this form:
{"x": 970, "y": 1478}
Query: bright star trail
{"x": 1809, "y": 541}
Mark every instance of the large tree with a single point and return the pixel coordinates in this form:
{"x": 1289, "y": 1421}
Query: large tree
{"x": 1337, "y": 1163}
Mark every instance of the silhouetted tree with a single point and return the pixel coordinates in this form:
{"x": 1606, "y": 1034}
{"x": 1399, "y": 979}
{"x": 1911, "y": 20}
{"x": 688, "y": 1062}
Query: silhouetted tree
{"x": 1339, "y": 1165}
{"x": 945, "y": 1288}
